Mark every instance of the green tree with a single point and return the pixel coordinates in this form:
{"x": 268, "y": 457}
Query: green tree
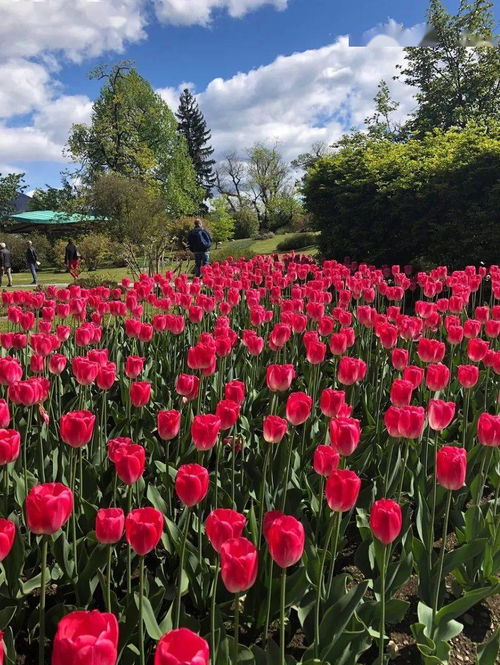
{"x": 380, "y": 124}
{"x": 53, "y": 198}
{"x": 10, "y": 185}
{"x": 193, "y": 127}
{"x": 434, "y": 199}
{"x": 221, "y": 221}
{"x": 133, "y": 133}
{"x": 456, "y": 70}
{"x": 136, "y": 217}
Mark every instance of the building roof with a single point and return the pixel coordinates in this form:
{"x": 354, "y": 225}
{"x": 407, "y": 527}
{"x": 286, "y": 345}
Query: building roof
{"x": 51, "y": 217}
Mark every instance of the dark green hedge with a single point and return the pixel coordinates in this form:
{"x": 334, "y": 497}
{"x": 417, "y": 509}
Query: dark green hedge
{"x": 435, "y": 200}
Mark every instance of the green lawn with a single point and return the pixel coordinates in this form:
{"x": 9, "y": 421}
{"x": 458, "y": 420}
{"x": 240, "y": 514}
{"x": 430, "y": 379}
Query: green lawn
{"x": 48, "y": 276}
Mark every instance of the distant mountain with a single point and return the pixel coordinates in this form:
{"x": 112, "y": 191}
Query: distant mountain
{"x": 21, "y": 203}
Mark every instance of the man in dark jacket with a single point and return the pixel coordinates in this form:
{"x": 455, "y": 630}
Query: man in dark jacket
{"x": 72, "y": 259}
{"x": 32, "y": 260}
{"x": 199, "y": 242}
{"x": 5, "y": 264}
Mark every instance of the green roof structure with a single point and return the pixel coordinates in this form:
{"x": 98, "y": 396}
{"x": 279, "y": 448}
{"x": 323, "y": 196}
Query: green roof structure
{"x": 30, "y": 221}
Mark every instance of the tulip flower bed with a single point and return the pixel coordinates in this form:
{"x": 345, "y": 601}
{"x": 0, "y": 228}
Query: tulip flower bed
{"x": 282, "y": 462}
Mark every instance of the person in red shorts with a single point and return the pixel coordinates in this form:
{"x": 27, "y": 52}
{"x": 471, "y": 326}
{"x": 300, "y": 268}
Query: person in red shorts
{"x": 72, "y": 259}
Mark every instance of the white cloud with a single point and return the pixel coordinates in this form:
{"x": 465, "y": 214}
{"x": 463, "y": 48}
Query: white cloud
{"x": 302, "y": 98}
{"x": 80, "y": 28}
{"x": 25, "y": 85}
{"x": 171, "y": 95}
{"x": 200, "y": 12}
{"x": 393, "y": 33}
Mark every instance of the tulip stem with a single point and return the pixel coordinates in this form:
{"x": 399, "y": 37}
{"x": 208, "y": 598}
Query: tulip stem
{"x": 282, "y": 617}
{"x": 73, "y": 515}
{"x": 320, "y": 500}
{"x": 108, "y": 580}
{"x": 335, "y": 544}
{"x": 433, "y": 505}
{"x": 269, "y": 593}
{"x": 129, "y": 549}
{"x": 181, "y": 568}
{"x": 213, "y": 609}
{"x": 403, "y": 469}
{"x": 217, "y": 465}
{"x": 466, "y": 415}
{"x": 287, "y": 472}
{"x": 319, "y": 596}
{"x": 236, "y": 627}
{"x": 43, "y": 582}
{"x": 263, "y": 493}
{"x": 441, "y": 556}
{"x": 382, "y": 606}
{"x": 6, "y": 489}
{"x": 141, "y": 602}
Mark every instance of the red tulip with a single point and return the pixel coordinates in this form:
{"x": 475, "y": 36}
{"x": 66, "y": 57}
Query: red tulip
{"x": 109, "y": 525}
{"x": 279, "y": 377}
{"x": 187, "y": 385}
{"x": 286, "y": 539}
{"x": 269, "y": 519}
{"x": 274, "y": 429}
{"x": 57, "y": 363}
{"x": 48, "y": 507}
{"x": 451, "y": 467}
{"x": 130, "y": 460}
{"x": 11, "y": 371}
{"x": 86, "y": 637}
{"x": 325, "y": 460}
{"x": 29, "y": 392}
{"x": 143, "y": 529}
{"x": 338, "y": 344}
{"x": 399, "y": 358}
{"x": 488, "y": 429}
{"x": 10, "y": 445}
{"x": 386, "y": 520}
{"x": 37, "y": 363}
{"x": 430, "y": 350}
{"x": 7, "y": 536}
{"x": 228, "y": 412}
{"x": 235, "y": 391}
{"x": 85, "y": 370}
{"x": 315, "y": 352}
{"x": 115, "y": 445}
{"x": 134, "y": 366}
{"x": 223, "y": 524}
{"x": 182, "y": 647}
{"x": 401, "y": 392}
{"x": 411, "y": 422}
{"x": 77, "y": 427}
{"x": 191, "y": 483}
{"x": 440, "y": 414}
{"x": 140, "y": 393}
{"x": 342, "y": 490}
{"x": 468, "y": 375}
{"x": 205, "y": 430}
{"x": 345, "y": 434}
{"x": 106, "y": 376}
{"x": 332, "y": 402}
{"x": 298, "y": 408}
{"x": 4, "y": 413}
{"x": 168, "y": 424}
{"x": 201, "y": 356}
{"x": 455, "y": 334}
{"x": 239, "y": 563}
{"x": 351, "y": 370}
{"x": 477, "y": 349}
{"x": 437, "y": 376}
{"x": 414, "y": 374}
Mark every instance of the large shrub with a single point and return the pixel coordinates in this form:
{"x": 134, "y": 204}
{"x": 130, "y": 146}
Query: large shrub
{"x": 17, "y": 246}
{"x": 436, "y": 199}
{"x": 297, "y": 241}
{"x": 98, "y": 250}
{"x": 246, "y": 223}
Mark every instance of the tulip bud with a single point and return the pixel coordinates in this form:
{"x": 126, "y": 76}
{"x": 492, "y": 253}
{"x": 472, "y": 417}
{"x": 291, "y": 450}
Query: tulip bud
{"x": 191, "y": 484}
{"x": 451, "y": 467}
{"x": 386, "y": 520}
{"x": 342, "y": 490}
{"x": 285, "y": 539}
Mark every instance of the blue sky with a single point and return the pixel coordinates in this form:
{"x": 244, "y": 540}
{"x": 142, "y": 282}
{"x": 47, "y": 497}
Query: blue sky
{"x": 279, "y": 71}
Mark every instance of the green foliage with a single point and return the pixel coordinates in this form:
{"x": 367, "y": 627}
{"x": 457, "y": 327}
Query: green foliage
{"x": 233, "y": 252}
{"x": 456, "y": 70}
{"x": 380, "y": 124}
{"x": 98, "y": 250}
{"x": 193, "y": 127}
{"x": 221, "y": 221}
{"x": 436, "y": 198}
{"x": 53, "y": 198}
{"x": 246, "y": 223}
{"x": 10, "y": 185}
{"x": 285, "y": 212}
{"x": 57, "y": 253}
{"x": 297, "y": 241}
{"x": 134, "y": 133}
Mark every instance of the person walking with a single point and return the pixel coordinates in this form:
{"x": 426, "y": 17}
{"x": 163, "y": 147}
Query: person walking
{"x": 199, "y": 242}
{"x": 32, "y": 261}
{"x": 5, "y": 264}
{"x": 72, "y": 259}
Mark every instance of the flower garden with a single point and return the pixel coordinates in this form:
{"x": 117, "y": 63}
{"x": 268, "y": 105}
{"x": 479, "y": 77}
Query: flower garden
{"x": 280, "y": 462}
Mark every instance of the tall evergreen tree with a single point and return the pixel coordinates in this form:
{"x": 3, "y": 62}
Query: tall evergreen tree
{"x": 193, "y": 126}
